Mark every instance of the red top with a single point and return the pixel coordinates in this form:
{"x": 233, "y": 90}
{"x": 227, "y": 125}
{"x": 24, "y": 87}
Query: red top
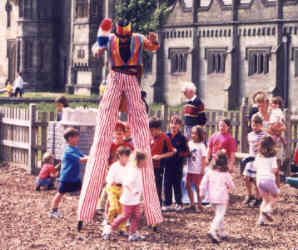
{"x": 160, "y": 145}
{"x": 46, "y": 170}
{"x": 114, "y": 148}
{"x": 220, "y": 141}
{"x": 296, "y": 157}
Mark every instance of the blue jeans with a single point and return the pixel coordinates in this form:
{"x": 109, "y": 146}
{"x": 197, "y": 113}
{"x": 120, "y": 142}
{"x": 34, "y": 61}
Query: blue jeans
{"x": 45, "y": 182}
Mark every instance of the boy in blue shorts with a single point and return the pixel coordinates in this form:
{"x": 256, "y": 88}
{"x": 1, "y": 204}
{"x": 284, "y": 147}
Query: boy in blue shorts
{"x": 70, "y": 172}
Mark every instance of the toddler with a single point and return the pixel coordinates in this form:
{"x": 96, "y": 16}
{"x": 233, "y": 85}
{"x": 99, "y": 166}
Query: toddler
{"x": 218, "y": 181}
{"x": 266, "y": 165}
{"x": 48, "y": 173}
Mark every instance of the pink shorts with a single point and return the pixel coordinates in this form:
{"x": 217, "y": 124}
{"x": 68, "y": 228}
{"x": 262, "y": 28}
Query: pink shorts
{"x": 268, "y": 187}
{"x": 193, "y": 178}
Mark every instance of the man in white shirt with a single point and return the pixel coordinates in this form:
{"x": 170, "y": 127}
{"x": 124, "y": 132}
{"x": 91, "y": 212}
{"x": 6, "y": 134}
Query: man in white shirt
{"x": 19, "y": 85}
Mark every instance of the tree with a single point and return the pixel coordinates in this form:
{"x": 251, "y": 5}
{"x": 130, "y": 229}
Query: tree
{"x": 145, "y": 15}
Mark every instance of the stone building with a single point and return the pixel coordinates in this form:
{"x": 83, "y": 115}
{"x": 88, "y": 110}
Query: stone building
{"x": 230, "y": 49}
{"x": 50, "y": 41}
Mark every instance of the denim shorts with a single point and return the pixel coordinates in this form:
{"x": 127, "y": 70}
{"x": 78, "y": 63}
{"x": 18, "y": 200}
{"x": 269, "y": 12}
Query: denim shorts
{"x": 69, "y": 187}
{"x": 45, "y": 182}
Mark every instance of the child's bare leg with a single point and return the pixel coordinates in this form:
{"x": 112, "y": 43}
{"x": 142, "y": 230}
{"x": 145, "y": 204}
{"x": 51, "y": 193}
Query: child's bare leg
{"x": 274, "y": 200}
{"x": 277, "y": 175}
{"x": 190, "y": 193}
{"x": 248, "y": 185}
{"x": 197, "y": 187}
{"x": 256, "y": 188}
{"x": 56, "y": 201}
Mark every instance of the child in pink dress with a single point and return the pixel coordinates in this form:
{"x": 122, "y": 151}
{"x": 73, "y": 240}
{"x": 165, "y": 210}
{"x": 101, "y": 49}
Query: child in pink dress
{"x": 218, "y": 181}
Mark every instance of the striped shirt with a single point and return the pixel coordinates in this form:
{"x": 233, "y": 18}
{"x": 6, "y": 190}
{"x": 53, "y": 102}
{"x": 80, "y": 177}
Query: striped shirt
{"x": 194, "y": 112}
{"x": 254, "y": 139}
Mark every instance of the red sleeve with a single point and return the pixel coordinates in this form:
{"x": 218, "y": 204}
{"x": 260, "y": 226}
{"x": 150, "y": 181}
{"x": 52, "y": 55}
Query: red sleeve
{"x": 51, "y": 169}
{"x": 296, "y": 157}
{"x": 169, "y": 144}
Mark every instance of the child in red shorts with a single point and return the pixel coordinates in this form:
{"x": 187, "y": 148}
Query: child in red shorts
{"x": 196, "y": 163}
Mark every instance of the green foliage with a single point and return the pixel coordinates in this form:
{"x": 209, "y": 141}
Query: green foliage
{"x": 145, "y": 15}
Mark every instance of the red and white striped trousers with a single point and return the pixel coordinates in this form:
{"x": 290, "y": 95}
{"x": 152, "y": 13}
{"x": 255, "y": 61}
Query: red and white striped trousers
{"x": 97, "y": 165}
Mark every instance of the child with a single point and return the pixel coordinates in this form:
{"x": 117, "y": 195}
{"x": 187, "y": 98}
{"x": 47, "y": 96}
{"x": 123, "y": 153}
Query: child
{"x": 249, "y": 173}
{"x": 194, "y": 109}
{"x": 48, "y": 173}
{"x": 276, "y": 128}
{"x": 131, "y": 198}
{"x": 70, "y": 173}
{"x": 219, "y": 182}
{"x": 118, "y": 142}
{"x": 61, "y": 102}
{"x": 174, "y": 165}
{"x": 161, "y": 148}
{"x": 114, "y": 186}
{"x": 196, "y": 163}
{"x": 223, "y": 140}
{"x": 266, "y": 165}
{"x": 9, "y": 89}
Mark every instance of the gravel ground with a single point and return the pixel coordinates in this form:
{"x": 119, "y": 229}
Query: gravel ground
{"x": 25, "y": 223}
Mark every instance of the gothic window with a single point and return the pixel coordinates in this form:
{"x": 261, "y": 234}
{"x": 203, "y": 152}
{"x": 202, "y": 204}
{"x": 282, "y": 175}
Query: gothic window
{"x": 178, "y": 59}
{"x": 8, "y": 9}
{"x": 81, "y": 53}
{"x": 81, "y": 8}
{"x": 295, "y": 55}
{"x": 41, "y": 52}
{"x": 216, "y": 60}
{"x": 25, "y": 8}
{"x": 258, "y": 62}
{"x": 148, "y": 59}
{"x": 95, "y": 9}
{"x": 28, "y": 54}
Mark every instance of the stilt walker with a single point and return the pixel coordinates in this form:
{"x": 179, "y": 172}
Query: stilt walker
{"x": 125, "y": 50}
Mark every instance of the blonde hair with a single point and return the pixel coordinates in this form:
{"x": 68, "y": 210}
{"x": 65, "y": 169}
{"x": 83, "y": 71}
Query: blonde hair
{"x": 47, "y": 157}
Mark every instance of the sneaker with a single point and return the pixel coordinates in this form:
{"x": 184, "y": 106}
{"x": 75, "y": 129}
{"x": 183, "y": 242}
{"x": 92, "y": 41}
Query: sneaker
{"x": 261, "y": 221}
{"x": 268, "y": 216}
{"x": 55, "y": 214}
{"x": 135, "y": 237}
{"x": 107, "y": 230}
{"x": 213, "y": 237}
{"x": 222, "y": 235}
{"x": 165, "y": 208}
{"x": 248, "y": 199}
{"x": 257, "y": 203}
{"x": 178, "y": 208}
{"x": 122, "y": 233}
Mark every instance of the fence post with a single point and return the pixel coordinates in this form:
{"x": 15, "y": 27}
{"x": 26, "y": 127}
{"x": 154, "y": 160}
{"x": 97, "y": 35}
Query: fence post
{"x": 244, "y": 125}
{"x": 32, "y": 138}
{"x": 288, "y": 146}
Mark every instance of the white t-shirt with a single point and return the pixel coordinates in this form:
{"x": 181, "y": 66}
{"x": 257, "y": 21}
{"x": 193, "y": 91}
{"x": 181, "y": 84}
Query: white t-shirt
{"x": 19, "y": 83}
{"x": 265, "y": 167}
{"x": 276, "y": 115}
{"x": 194, "y": 161}
{"x": 116, "y": 173}
{"x": 132, "y": 187}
